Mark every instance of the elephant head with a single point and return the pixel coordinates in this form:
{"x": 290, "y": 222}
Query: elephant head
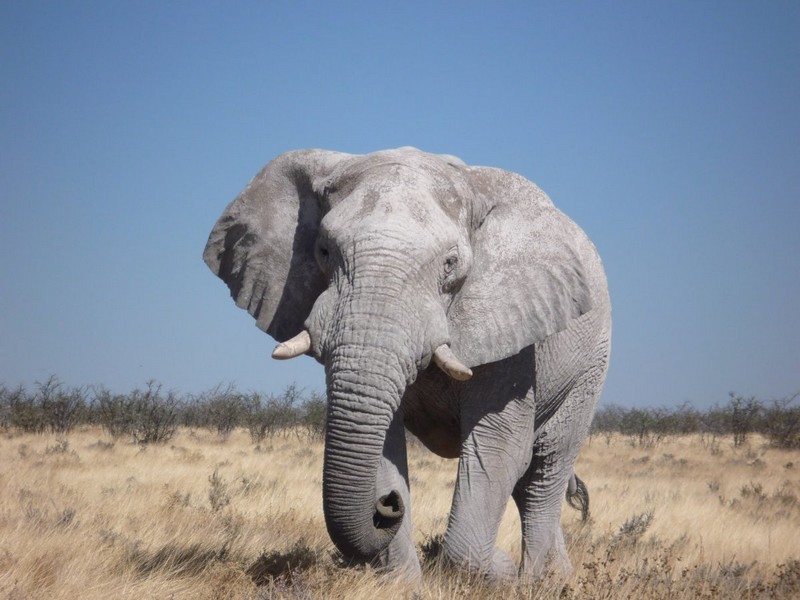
{"x": 378, "y": 265}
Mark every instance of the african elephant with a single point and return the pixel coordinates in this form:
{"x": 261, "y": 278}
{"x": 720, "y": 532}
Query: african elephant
{"x": 451, "y": 300}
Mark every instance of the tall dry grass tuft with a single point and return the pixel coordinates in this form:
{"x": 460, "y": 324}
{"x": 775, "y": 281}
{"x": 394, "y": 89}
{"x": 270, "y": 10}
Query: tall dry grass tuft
{"x": 205, "y": 516}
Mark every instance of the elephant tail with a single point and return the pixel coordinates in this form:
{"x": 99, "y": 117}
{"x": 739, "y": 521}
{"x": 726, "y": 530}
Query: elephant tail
{"x": 578, "y": 496}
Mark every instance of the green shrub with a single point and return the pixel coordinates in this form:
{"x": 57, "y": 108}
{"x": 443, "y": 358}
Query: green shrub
{"x": 781, "y": 423}
{"x": 156, "y": 415}
{"x": 315, "y": 416}
{"x": 115, "y": 412}
{"x": 269, "y": 416}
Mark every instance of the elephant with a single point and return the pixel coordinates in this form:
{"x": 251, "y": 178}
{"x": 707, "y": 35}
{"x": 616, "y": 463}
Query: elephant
{"x": 452, "y": 301}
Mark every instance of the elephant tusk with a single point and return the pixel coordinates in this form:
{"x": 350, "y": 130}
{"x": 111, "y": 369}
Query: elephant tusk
{"x": 299, "y": 344}
{"x": 449, "y": 363}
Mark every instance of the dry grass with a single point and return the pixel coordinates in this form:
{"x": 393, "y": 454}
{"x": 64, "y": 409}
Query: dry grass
{"x": 201, "y": 518}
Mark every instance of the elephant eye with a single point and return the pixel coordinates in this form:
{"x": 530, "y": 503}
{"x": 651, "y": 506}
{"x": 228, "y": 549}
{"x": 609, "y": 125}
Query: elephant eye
{"x": 450, "y": 264}
{"x": 323, "y": 257}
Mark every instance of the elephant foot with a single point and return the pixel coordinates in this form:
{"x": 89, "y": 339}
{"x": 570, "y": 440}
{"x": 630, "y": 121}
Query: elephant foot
{"x": 498, "y": 568}
{"x": 555, "y": 562}
{"x": 503, "y": 567}
{"x": 400, "y": 561}
{"x": 407, "y": 575}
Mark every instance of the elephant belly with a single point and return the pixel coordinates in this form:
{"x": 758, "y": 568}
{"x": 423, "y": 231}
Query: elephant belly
{"x": 431, "y": 413}
{"x": 439, "y": 440}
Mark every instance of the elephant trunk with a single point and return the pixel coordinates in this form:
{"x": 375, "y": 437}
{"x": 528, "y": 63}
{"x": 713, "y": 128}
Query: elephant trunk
{"x": 365, "y": 384}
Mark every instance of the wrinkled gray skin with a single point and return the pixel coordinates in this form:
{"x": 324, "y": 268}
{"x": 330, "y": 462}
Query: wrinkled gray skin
{"x": 384, "y": 257}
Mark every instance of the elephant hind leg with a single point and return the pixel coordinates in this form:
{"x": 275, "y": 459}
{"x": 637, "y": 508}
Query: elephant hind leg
{"x": 540, "y": 493}
{"x": 538, "y": 497}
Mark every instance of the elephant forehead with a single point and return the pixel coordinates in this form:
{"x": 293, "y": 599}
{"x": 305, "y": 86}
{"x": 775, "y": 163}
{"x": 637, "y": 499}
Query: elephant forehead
{"x": 396, "y": 202}
{"x": 385, "y": 192}
{"x": 404, "y": 228}
{"x": 407, "y": 164}
{"x": 381, "y": 175}
{"x": 397, "y": 192}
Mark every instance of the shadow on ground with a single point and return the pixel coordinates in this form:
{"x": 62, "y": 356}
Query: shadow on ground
{"x": 275, "y": 564}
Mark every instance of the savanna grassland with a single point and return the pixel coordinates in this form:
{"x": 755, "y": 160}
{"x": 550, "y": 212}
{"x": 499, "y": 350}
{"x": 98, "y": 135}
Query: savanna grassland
{"x": 208, "y": 516}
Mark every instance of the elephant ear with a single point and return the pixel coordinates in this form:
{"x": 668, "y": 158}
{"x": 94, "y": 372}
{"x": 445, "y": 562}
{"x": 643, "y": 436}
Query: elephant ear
{"x": 527, "y": 280}
{"x": 262, "y": 246}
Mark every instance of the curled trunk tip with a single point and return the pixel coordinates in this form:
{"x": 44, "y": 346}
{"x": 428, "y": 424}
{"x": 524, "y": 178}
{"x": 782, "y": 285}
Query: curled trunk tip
{"x": 389, "y": 510}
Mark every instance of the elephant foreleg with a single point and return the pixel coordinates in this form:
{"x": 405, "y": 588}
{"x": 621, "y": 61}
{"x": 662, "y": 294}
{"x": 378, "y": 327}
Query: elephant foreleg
{"x": 494, "y": 455}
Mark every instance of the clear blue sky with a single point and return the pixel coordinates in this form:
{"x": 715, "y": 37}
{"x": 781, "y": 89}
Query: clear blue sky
{"x": 670, "y": 131}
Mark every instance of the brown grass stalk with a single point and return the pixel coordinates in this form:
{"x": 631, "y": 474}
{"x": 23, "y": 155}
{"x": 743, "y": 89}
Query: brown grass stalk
{"x": 89, "y": 517}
